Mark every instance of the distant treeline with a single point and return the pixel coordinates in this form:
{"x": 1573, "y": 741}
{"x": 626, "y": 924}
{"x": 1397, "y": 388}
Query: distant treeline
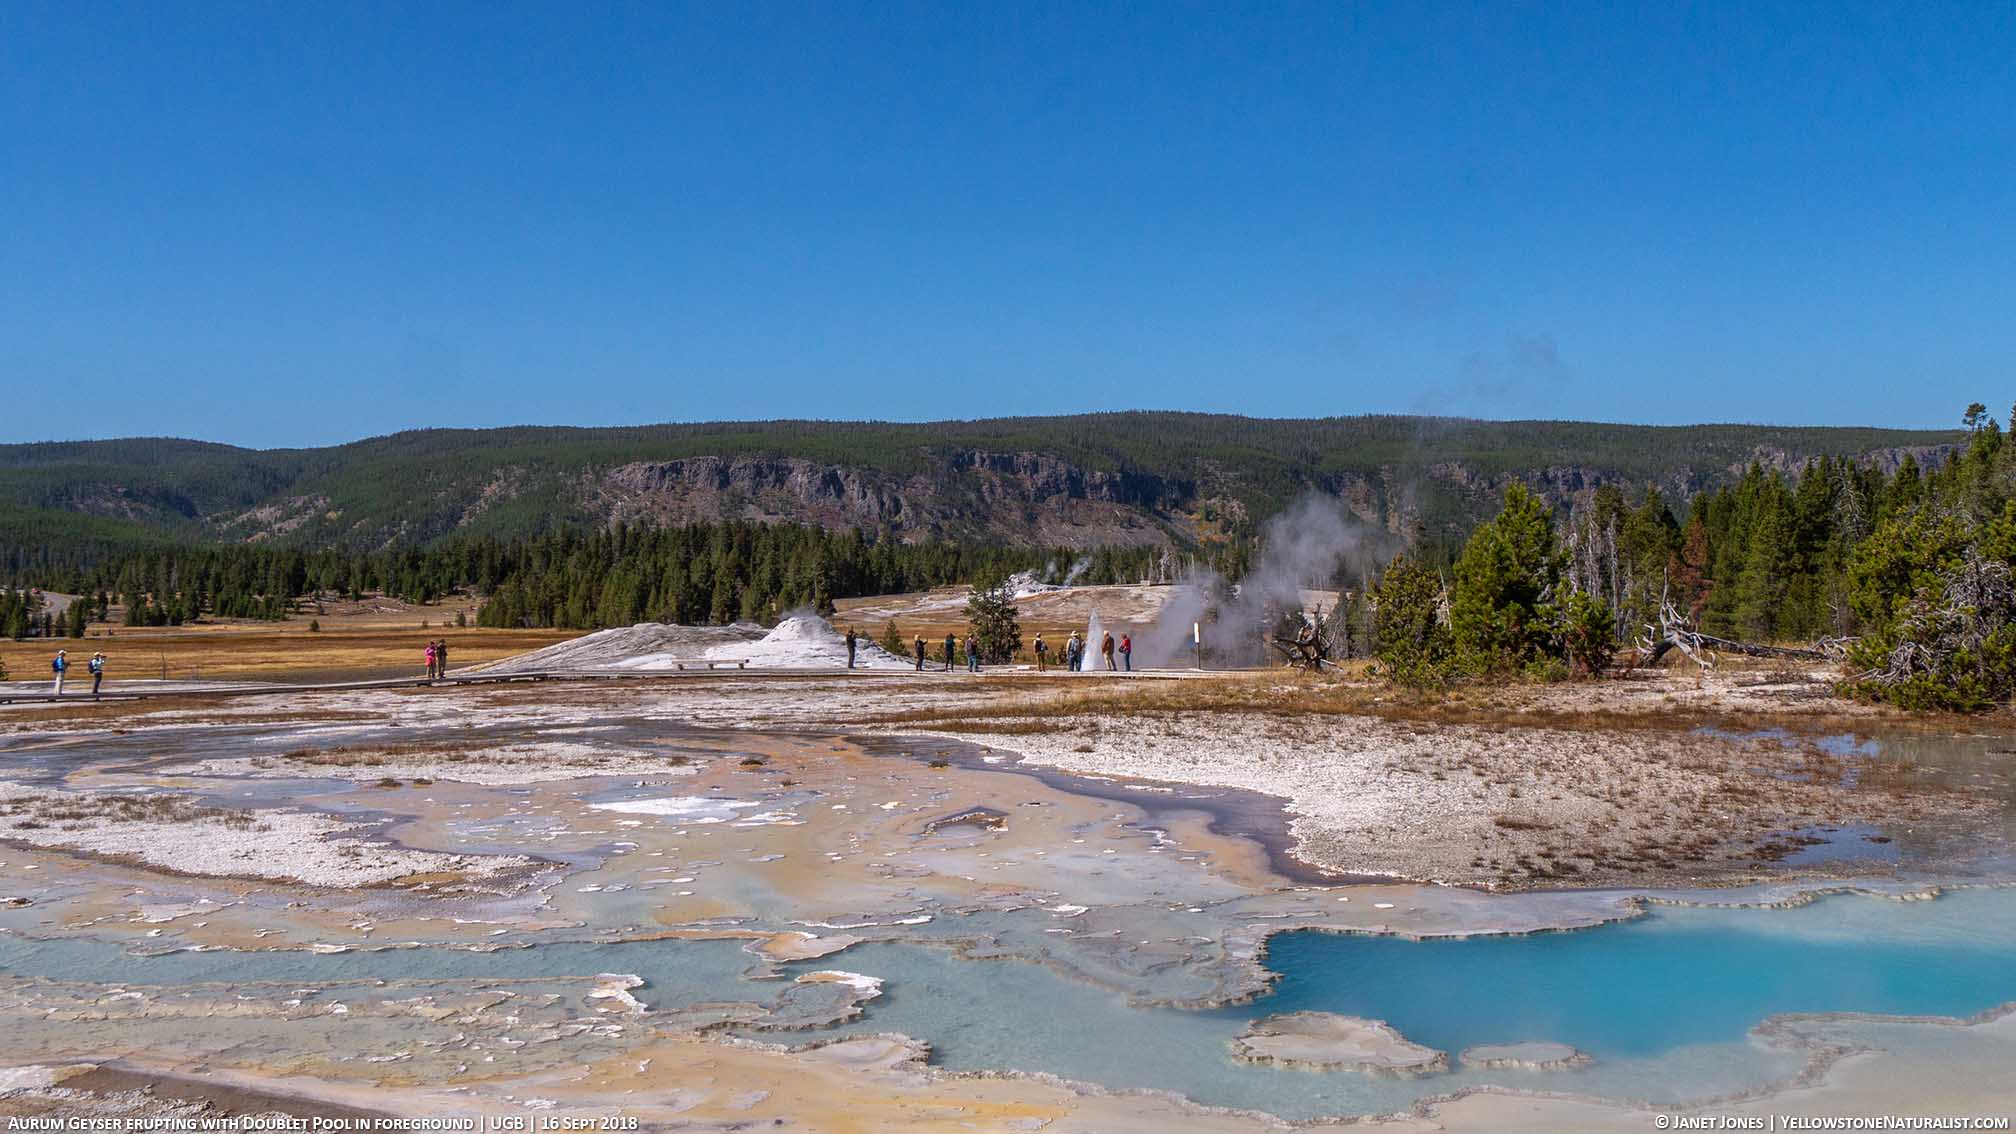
{"x": 694, "y": 573}
{"x": 719, "y": 573}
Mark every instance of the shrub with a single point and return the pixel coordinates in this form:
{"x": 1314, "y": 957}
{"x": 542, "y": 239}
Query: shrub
{"x": 892, "y": 639}
{"x": 1582, "y": 633}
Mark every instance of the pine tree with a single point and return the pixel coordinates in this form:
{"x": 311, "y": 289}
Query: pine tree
{"x": 1584, "y": 632}
{"x": 1506, "y": 571}
{"x": 1414, "y": 647}
{"x": 722, "y": 608}
{"x": 992, "y": 621}
{"x": 1769, "y": 564}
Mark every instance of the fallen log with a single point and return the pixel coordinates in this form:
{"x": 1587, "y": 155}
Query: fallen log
{"x": 1676, "y": 631}
{"x": 1754, "y": 650}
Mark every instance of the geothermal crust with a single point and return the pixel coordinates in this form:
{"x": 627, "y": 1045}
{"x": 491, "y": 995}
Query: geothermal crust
{"x": 1524, "y": 1057}
{"x": 747, "y": 808}
{"x": 174, "y": 834}
{"x": 1323, "y": 1041}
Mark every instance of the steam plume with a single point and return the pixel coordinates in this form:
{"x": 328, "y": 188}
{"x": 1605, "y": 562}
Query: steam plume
{"x": 1315, "y": 544}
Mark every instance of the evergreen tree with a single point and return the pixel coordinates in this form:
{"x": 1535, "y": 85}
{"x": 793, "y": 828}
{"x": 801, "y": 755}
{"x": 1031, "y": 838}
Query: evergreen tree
{"x": 1906, "y": 488}
{"x": 1584, "y": 632}
{"x": 1507, "y": 570}
{"x": 723, "y": 607}
{"x": 992, "y": 621}
{"x": 1687, "y": 567}
{"x": 1768, "y": 567}
{"x": 1414, "y": 646}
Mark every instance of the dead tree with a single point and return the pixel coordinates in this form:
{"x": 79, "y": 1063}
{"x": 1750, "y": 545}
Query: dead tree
{"x": 1677, "y": 631}
{"x": 1309, "y": 648}
{"x": 1674, "y": 631}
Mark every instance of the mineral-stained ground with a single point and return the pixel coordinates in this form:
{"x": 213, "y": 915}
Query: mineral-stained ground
{"x": 659, "y": 898}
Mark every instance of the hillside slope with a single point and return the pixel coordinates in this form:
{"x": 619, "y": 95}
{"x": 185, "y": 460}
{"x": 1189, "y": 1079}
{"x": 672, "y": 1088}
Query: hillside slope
{"x": 1082, "y": 480}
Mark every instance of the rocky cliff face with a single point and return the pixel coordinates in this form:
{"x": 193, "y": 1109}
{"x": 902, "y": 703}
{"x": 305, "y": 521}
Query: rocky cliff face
{"x": 972, "y": 494}
{"x": 103, "y": 498}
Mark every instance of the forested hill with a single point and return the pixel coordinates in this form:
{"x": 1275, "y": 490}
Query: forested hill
{"x": 1102, "y": 479}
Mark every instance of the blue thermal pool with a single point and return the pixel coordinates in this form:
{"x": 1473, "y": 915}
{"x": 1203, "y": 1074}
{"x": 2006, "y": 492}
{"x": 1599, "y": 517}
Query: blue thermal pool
{"x": 1675, "y": 977}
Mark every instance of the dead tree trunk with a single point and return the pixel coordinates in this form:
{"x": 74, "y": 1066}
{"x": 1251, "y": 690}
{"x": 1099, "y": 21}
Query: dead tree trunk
{"x": 1677, "y": 631}
{"x": 1309, "y": 649}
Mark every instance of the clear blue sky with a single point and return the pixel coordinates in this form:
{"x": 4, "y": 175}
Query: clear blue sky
{"x": 294, "y": 224}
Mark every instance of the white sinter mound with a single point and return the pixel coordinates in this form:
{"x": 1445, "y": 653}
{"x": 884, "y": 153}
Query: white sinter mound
{"x": 802, "y": 641}
{"x": 647, "y": 645}
{"x": 807, "y": 641}
{"x": 1023, "y": 584}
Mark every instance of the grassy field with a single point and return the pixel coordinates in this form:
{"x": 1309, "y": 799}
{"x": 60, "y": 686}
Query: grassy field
{"x": 372, "y": 638}
{"x": 1054, "y": 614}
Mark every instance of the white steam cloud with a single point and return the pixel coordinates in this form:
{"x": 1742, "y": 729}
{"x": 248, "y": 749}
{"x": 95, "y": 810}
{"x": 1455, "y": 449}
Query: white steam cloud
{"x": 1315, "y": 544}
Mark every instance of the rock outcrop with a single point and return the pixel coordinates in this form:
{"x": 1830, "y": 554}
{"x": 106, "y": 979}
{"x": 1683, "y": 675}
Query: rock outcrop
{"x": 973, "y": 493}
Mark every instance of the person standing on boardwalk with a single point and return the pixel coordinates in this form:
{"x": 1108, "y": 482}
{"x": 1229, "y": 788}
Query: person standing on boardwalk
{"x": 430, "y": 661}
{"x": 1042, "y": 653}
{"x": 972, "y": 656}
{"x": 1127, "y": 652}
{"x": 850, "y": 647}
{"x": 441, "y": 657}
{"x": 97, "y": 668}
{"x": 1106, "y": 649}
{"x": 60, "y": 665}
{"x": 951, "y": 644}
{"x": 920, "y": 653}
{"x": 1074, "y": 653}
